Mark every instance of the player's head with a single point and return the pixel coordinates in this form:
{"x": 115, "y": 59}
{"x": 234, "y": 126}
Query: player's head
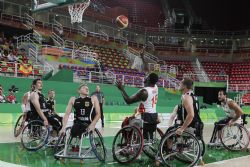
{"x": 98, "y": 88}
{"x": 38, "y": 84}
{"x": 151, "y": 79}
{"x": 83, "y": 90}
{"x": 186, "y": 84}
{"x": 222, "y": 95}
{"x": 51, "y": 94}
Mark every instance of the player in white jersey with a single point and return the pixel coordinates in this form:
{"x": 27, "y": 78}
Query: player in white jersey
{"x": 147, "y": 97}
{"x": 26, "y": 105}
{"x": 232, "y": 110}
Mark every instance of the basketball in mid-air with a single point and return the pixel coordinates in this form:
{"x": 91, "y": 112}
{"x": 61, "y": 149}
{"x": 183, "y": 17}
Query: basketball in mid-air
{"x": 121, "y": 22}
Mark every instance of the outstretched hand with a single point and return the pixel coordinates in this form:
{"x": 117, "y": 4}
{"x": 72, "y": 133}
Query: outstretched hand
{"x": 119, "y": 85}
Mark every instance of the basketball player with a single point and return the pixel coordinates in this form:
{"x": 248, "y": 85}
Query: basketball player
{"x": 51, "y": 105}
{"x": 26, "y": 105}
{"x": 188, "y": 113}
{"x": 39, "y": 108}
{"x": 147, "y": 97}
{"x": 86, "y": 111}
{"x": 232, "y": 110}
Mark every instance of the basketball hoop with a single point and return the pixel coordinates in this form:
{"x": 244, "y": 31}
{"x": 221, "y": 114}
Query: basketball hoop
{"x": 76, "y": 11}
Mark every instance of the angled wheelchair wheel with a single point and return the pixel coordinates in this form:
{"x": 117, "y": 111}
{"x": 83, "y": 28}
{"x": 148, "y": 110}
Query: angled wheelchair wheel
{"x": 234, "y": 138}
{"x": 127, "y": 144}
{"x": 97, "y": 145}
{"x": 18, "y": 126}
{"x": 151, "y": 147}
{"x": 203, "y": 147}
{"x": 34, "y": 135}
{"x": 182, "y": 150}
{"x": 60, "y": 144}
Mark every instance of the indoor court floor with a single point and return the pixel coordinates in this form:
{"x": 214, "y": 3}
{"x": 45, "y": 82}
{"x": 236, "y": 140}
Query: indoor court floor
{"x": 12, "y": 154}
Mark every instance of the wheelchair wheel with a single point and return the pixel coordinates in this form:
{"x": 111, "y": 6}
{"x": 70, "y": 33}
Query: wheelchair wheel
{"x": 151, "y": 148}
{"x": 203, "y": 147}
{"x": 60, "y": 144}
{"x": 97, "y": 145}
{"x": 34, "y": 135}
{"x": 18, "y": 126}
{"x": 234, "y": 138}
{"x": 127, "y": 144}
{"x": 184, "y": 149}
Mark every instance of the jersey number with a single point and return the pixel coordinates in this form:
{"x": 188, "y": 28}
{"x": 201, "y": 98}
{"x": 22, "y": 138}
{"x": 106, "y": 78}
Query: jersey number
{"x": 82, "y": 111}
{"x": 154, "y": 100}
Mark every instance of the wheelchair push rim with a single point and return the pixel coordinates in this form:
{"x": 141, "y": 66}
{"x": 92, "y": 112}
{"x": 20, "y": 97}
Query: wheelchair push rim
{"x": 97, "y": 145}
{"x": 34, "y": 135}
{"x": 234, "y": 138}
{"x": 181, "y": 151}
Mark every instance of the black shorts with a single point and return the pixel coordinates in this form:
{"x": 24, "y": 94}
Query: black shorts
{"x": 79, "y": 128}
{"x": 55, "y": 121}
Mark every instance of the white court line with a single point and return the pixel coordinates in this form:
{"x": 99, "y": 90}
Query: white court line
{"x": 6, "y": 164}
{"x": 228, "y": 160}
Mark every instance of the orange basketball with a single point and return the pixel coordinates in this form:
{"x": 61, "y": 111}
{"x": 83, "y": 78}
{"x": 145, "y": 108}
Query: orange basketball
{"x": 122, "y": 22}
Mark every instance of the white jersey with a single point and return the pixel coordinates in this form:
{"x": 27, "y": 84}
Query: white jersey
{"x": 27, "y": 106}
{"x": 229, "y": 112}
{"x": 149, "y": 106}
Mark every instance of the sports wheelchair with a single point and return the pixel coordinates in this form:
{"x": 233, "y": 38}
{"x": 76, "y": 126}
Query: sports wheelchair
{"x": 35, "y": 135}
{"x": 89, "y": 145}
{"x": 233, "y": 138}
{"x": 186, "y": 149}
{"x": 129, "y": 143}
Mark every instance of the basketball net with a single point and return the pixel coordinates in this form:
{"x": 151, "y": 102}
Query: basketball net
{"x": 76, "y": 11}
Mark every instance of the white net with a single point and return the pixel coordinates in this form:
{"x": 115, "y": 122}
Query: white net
{"x": 76, "y": 11}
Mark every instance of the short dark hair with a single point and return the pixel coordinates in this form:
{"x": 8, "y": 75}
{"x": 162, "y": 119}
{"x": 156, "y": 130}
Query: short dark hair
{"x": 188, "y": 82}
{"x": 51, "y": 90}
{"x": 153, "y": 78}
{"x": 223, "y": 91}
{"x": 35, "y": 81}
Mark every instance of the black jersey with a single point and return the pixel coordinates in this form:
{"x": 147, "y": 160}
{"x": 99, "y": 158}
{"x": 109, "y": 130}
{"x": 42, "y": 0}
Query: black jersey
{"x": 51, "y": 104}
{"x": 84, "y": 110}
{"x": 42, "y": 102}
{"x": 182, "y": 112}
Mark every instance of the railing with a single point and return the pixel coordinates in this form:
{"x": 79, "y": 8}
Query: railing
{"x": 82, "y": 31}
{"x": 104, "y": 35}
{"x": 199, "y": 70}
{"x": 13, "y": 70}
{"x": 212, "y": 78}
{"x": 29, "y": 21}
{"x": 58, "y": 39}
{"x": 129, "y": 80}
{"x": 239, "y": 87}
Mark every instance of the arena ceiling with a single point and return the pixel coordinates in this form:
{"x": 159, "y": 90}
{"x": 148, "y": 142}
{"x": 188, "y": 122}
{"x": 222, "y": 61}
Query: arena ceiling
{"x": 223, "y": 14}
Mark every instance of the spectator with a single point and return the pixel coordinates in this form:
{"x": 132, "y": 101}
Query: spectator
{"x": 11, "y": 57}
{"x": 100, "y": 97}
{"x": 2, "y": 96}
{"x": 11, "y": 98}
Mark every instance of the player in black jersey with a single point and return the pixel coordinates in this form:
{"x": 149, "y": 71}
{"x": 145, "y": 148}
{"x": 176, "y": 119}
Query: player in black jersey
{"x": 188, "y": 114}
{"x": 39, "y": 109}
{"x": 51, "y": 105}
{"x": 86, "y": 111}
{"x": 37, "y": 102}
{"x": 51, "y": 102}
